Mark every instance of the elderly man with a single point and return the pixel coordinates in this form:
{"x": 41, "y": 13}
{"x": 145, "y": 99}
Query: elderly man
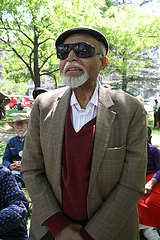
{"x": 85, "y": 154}
{"x": 14, "y": 149}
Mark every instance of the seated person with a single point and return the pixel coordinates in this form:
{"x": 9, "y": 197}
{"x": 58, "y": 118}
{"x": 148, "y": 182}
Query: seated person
{"x": 13, "y": 208}
{"x": 19, "y": 103}
{"x": 149, "y": 205}
{"x": 13, "y": 152}
{"x": 29, "y": 109}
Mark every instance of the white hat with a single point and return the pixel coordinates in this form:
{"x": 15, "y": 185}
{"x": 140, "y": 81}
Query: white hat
{"x": 17, "y": 118}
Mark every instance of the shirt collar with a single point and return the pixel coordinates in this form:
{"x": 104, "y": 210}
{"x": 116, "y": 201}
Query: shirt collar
{"x": 93, "y": 100}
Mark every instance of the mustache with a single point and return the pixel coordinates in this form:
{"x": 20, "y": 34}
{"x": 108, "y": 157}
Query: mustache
{"x": 73, "y": 63}
{"x": 21, "y": 130}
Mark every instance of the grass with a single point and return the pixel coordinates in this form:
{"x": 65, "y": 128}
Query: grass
{"x": 2, "y": 148}
{"x": 4, "y": 121}
{"x": 155, "y": 131}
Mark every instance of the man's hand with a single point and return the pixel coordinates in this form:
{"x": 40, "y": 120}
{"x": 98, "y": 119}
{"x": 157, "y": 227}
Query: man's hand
{"x": 149, "y": 185}
{"x": 15, "y": 166}
{"x": 71, "y": 232}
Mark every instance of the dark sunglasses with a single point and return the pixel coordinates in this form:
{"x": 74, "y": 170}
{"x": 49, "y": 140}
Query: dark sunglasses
{"x": 81, "y": 50}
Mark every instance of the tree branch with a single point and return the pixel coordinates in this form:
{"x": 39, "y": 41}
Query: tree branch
{"x": 46, "y": 40}
{"x": 46, "y": 60}
{"x": 49, "y": 73}
{"x": 19, "y": 27}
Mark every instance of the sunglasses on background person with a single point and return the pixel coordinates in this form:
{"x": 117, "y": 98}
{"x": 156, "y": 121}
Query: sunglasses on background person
{"x": 81, "y": 50}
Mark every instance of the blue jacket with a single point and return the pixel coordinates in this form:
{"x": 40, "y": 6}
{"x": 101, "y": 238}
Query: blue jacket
{"x": 14, "y": 146}
{"x": 13, "y": 208}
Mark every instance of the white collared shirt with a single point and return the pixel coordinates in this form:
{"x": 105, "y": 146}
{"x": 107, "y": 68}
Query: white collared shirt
{"x": 80, "y": 116}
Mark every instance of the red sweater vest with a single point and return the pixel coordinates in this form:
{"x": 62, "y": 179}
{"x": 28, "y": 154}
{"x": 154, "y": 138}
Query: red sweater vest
{"x": 76, "y": 166}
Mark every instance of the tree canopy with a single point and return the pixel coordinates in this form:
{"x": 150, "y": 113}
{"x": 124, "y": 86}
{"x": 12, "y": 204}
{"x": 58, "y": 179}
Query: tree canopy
{"x": 28, "y": 32}
{"x": 132, "y": 36}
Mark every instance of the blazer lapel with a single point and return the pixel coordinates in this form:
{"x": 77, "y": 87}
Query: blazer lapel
{"x": 104, "y": 121}
{"x": 59, "y": 117}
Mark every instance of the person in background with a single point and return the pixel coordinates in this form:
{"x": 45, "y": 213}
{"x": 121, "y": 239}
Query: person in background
{"x": 4, "y": 100}
{"x": 155, "y": 110}
{"x": 140, "y": 98}
{"x": 13, "y": 208}
{"x": 14, "y": 149}
{"x": 158, "y": 118}
{"x": 84, "y": 161}
{"x": 149, "y": 205}
{"x": 38, "y": 91}
{"x": 19, "y": 103}
{"x": 29, "y": 109}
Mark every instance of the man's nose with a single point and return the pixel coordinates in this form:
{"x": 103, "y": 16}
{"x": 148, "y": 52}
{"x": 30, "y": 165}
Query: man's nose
{"x": 20, "y": 126}
{"x": 72, "y": 56}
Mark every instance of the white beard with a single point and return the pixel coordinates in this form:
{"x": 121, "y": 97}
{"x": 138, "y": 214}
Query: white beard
{"x": 74, "y": 82}
{"x": 21, "y": 133}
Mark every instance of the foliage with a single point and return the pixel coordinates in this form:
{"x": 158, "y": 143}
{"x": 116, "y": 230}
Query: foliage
{"x": 29, "y": 213}
{"x": 4, "y": 121}
{"x": 155, "y": 131}
{"x": 2, "y": 148}
{"x": 131, "y": 36}
{"x": 28, "y": 31}
{"x": 13, "y": 88}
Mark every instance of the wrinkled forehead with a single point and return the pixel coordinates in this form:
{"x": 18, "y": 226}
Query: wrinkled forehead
{"x": 82, "y": 37}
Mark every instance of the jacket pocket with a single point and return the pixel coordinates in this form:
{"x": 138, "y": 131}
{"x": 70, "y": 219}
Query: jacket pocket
{"x": 111, "y": 167}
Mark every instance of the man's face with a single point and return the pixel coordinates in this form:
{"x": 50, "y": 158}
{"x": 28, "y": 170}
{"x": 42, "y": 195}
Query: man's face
{"x": 20, "y": 128}
{"x": 77, "y": 71}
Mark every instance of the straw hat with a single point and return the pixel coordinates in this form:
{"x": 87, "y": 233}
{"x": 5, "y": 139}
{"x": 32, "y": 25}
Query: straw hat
{"x": 17, "y": 118}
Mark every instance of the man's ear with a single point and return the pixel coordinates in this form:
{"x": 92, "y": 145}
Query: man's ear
{"x": 104, "y": 62}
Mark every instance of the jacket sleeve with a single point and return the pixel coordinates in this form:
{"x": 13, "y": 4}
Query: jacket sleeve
{"x": 6, "y": 156}
{"x": 16, "y": 204}
{"x": 33, "y": 168}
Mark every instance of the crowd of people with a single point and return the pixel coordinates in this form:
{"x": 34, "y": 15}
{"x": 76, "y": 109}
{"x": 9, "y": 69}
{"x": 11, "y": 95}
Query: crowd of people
{"x": 83, "y": 154}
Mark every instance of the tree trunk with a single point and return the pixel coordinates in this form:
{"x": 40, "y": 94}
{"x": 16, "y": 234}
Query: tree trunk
{"x": 36, "y": 67}
{"x": 124, "y": 84}
{"x": 124, "y": 75}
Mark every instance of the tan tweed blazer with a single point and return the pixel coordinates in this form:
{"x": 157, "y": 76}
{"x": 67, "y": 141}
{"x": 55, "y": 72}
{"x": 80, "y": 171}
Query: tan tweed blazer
{"x": 118, "y": 164}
